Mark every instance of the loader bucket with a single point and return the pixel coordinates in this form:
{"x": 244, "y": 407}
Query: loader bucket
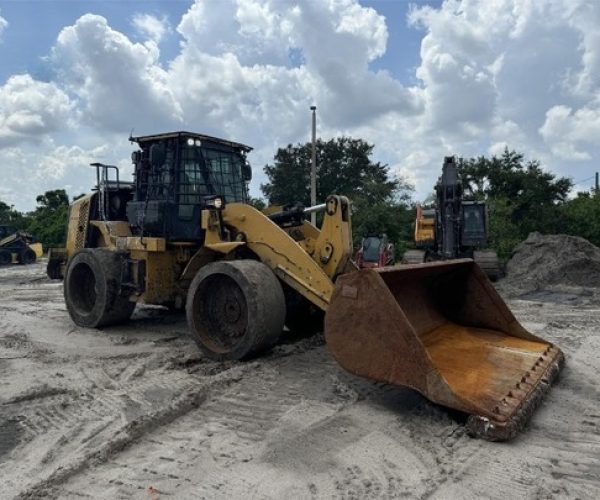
{"x": 442, "y": 329}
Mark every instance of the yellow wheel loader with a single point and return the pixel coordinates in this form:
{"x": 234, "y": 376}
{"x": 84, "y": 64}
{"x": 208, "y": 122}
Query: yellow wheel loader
{"x": 183, "y": 235}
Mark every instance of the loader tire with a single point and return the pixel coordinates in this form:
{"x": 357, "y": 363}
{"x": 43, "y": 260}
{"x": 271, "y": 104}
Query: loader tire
{"x": 92, "y": 289}
{"x": 235, "y": 309}
{"x": 5, "y": 257}
{"x": 27, "y": 256}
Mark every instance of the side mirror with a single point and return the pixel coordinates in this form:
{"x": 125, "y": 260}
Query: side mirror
{"x": 246, "y": 171}
{"x": 158, "y": 155}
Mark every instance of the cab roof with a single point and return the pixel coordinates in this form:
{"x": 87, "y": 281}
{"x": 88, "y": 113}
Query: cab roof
{"x": 172, "y": 135}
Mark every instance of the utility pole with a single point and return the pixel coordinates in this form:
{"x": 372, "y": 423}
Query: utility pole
{"x": 313, "y": 166}
{"x": 596, "y": 186}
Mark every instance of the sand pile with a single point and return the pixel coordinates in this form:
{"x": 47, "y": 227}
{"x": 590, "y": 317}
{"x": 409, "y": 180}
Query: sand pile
{"x": 545, "y": 261}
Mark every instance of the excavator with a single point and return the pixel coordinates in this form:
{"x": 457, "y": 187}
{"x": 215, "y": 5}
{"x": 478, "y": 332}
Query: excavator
{"x": 454, "y": 228}
{"x": 184, "y": 235}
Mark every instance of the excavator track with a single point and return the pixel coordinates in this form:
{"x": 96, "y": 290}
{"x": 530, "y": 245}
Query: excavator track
{"x": 413, "y": 257}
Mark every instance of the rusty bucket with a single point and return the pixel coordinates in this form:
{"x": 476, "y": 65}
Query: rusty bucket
{"x": 442, "y": 329}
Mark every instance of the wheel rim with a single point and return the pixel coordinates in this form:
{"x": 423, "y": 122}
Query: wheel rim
{"x": 220, "y": 313}
{"x": 83, "y": 288}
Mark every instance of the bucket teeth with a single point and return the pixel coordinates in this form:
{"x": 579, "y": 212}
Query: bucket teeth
{"x": 518, "y": 415}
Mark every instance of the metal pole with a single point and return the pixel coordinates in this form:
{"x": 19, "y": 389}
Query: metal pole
{"x": 313, "y": 166}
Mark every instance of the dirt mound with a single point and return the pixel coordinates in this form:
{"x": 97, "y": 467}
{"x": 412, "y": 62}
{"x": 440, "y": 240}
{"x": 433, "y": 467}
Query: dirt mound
{"x": 546, "y": 261}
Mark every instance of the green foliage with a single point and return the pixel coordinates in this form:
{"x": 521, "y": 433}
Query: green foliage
{"x": 10, "y": 216}
{"x": 521, "y": 197}
{"x": 582, "y": 217}
{"x": 257, "y": 203}
{"x": 344, "y": 166}
{"x": 48, "y": 222}
{"x": 503, "y": 233}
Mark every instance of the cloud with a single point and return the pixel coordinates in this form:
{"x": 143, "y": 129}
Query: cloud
{"x": 514, "y": 73}
{"x": 29, "y": 109}
{"x": 29, "y": 169}
{"x": 3, "y": 25}
{"x": 151, "y": 26}
{"x": 565, "y": 131}
{"x": 119, "y": 83}
{"x": 510, "y": 73}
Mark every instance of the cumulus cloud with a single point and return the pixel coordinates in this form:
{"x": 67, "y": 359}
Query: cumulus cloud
{"x": 510, "y": 73}
{"x": 119, "y": 83}
{"x": 566, "y": 130}
{"x": 30, "y": 108}
{"x": 47, "y": 165}
{"x": 514, "y": 73}
{"x": 3, "y": 25}
{"x": 151, "y": 26}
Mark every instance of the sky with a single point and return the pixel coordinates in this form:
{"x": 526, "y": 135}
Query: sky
{"x": 420, "y": 80}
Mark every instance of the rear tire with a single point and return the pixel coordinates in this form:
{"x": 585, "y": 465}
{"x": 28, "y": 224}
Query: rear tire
{"x": 27, "y": 256}
{"x": 92, "y": 289}
{"x": 235, "y": 309}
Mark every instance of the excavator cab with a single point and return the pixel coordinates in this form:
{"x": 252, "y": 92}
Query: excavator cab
{"x": 474, "y": 224}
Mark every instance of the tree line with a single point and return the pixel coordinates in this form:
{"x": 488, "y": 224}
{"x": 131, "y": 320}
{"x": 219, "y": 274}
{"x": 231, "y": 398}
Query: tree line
{"x": 520, "y": 195}
{"x": 47, "y": 222}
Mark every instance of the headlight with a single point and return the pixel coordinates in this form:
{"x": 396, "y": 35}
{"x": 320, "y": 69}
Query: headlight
{"x": 215, "y": 203}
{"x": 190, "y": 142}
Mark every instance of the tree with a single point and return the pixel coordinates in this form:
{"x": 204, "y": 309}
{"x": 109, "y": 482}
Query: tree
{"x": 521, "y": 196}
{"x": 48, "y": 222}
{"x": 10, "y": 216}
{"x": 582, "y": 215}
{"x": 344, "y": 166}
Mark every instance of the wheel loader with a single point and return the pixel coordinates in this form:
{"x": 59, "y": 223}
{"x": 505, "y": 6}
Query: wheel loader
{"x": 18, "y": 246}
{"x": 182, "y": 234}
{"x": 454, "y": 228}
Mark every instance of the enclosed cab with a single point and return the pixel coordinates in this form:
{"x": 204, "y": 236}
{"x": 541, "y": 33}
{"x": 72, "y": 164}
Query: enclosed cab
{"x": 375, "y": 251}
{"x": 176, "y": 174}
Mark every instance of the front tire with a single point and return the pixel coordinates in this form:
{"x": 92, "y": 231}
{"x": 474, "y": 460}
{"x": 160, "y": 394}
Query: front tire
{"x": 5, "y": 257}
{"x": 92, "y": 289}
{"x": 235, "y": 309}
{"x": 27, "y": 256}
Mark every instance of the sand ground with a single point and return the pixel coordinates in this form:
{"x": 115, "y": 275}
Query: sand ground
{"x": 135, "y": 412}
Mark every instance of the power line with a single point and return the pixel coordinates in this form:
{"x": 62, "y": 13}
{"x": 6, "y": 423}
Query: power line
{"x": 583, "y": 180}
